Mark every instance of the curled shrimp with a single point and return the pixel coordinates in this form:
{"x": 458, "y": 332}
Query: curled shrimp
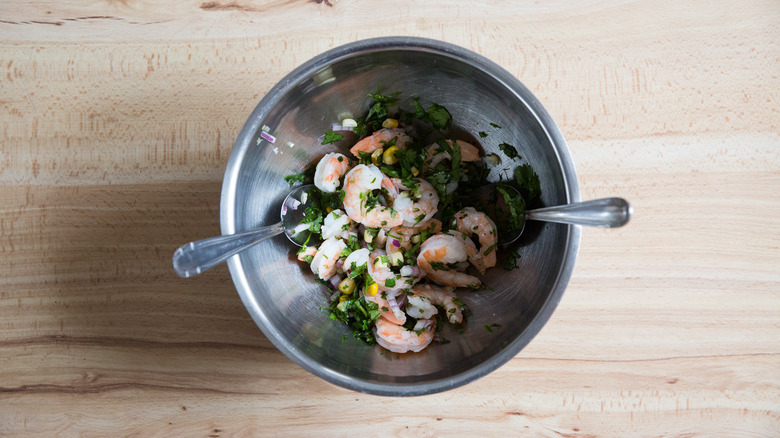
{"x": 324, "y": 262}
{"x": 416, "y": 204}
{"x": 329, "y": 171}
{"x": 379, "y": 139}
{"x": 470, "y": 221}
{"x": 399, "y": 339}
{"x": 437, "y": 253}
{"x": 391, "y": 312}
{"x": 424, "y": 299}
{"x": 309, "y": 251}
{"x": 358, "y": 203}
{"x": 468, "y": 152}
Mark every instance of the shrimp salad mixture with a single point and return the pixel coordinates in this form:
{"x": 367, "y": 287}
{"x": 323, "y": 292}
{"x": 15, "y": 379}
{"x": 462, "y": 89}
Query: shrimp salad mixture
{"x": 400, "y": 228}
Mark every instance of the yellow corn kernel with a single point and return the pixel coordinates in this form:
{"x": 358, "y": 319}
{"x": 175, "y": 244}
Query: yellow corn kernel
{"x": 376, "y": 155}
{"x": 329, "y": 209}
{"x": 342, "y": 299}
{"x": 414, "y": 170}
{"x": 388, "y": 157}
{"x": 390, "y": 123}
{"x": 373, "y": 289}
{"x": 347, "y": 286}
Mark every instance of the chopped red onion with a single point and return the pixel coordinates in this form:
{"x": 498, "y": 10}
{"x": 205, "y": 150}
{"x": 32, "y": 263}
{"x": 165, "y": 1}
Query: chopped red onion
{"x": 284, "y": 210}
{"x": 294, "y": 203}
{"x": 339, "y": 263}
{"x": 395, "y": 243}
{"x": 335, "y": 280}
{"x": 339, "y": 127}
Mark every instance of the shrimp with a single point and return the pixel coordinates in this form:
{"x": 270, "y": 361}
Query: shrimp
{"x": 391, "y": 312}
{"x": 415, "y": 205}
{"x": 468, "y": 152}
{"x": 470, "y": 221}
{"x": 398, "y": 339}
{"x": 359, "y": 202}
{"x": 324, "y": 262}
{"x": 400, "y": 238}
{"x": 336, "y": 224}
{"x": 358, "y": 258}
{"x": 329, "y": 170}
{"x": 439, "y": 251}
{"x": 386, "y": 279}
{"x": 309, "y": 251}
{"x": 426, "y": 296}
{"x": 379, "y": 139}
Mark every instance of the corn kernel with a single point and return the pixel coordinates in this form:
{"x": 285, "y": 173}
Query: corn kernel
{"x": 329, "y": 209}
{"x": 376, "y": 155}
{"x": 414, "y": 170}
{"x": 388, "y": 157}
{"x": 347, "y": 286}
{"x": 390, "y": 123}
{"x": 373, "y": 289}
{"x": 342, "y": 299}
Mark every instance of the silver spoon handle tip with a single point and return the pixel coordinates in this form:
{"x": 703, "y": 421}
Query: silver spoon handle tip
{"x": 602, "y": 213}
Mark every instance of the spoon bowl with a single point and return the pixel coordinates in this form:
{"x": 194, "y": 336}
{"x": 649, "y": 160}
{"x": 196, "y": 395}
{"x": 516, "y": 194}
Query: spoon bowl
{"x": 601, "y": 213}
{"x": 196, "y": 257}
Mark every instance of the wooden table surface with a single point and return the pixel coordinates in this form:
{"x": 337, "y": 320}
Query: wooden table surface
{"x": 117, "y": 119}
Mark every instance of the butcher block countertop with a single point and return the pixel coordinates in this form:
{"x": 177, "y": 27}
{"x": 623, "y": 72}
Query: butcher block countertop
{"x": 117, "y": 119}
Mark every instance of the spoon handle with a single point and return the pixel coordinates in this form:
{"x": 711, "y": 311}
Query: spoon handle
{"x": 195, "y": 257}
{"x": 603, "y": 213}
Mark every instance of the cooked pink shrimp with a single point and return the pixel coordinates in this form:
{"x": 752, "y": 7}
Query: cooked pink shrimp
{"x": 425, "y": 297}
{"x": 329, "y": 170}
{"x": 379, "y": 139}
{"x": 468, "y": 152}
{"x": 398, "y": 339}
{"x": 358, "y": 186}
{"x": 336, "y": 224}
{"x": 470, "y": 221}
{"x": 309, "y": 251}
{"x": 439, "y": 251}
{"x": 390, "y": 312}
{"x": 415, "y": 205}
{"x": 324, "y": 262}
{"x": 400, "y": 238}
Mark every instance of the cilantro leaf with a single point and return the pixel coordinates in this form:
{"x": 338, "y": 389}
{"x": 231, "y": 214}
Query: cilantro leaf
{"x": 494, "y": 125}
{"x": 439, "y": 117}
{"x": 508, "y": 150}
{"x": 331, "y": 137}
{"x": 482, "y": 134}
{"x": 295, "y": 178}
{"x": 528, "y": 181}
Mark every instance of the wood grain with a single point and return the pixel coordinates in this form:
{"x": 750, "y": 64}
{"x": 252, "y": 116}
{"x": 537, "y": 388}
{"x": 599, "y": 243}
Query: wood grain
{"x": 116, "y": 122}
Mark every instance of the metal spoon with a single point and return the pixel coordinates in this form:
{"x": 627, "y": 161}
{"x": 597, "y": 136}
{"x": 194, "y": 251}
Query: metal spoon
{"x": 602, "y": 213}
{"x": 196, "y": 257}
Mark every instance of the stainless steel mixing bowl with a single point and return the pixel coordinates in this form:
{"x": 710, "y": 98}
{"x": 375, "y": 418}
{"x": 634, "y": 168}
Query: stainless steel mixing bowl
{"x": 282, "y": 295}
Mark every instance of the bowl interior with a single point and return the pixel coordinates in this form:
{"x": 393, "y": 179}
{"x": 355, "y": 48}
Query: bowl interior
{"x": 282, "y": 294}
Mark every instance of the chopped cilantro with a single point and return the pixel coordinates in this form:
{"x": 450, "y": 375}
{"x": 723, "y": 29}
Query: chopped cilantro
{"x": 489, "y": 327}
{"x": 299, "y": 177}
{"x": 528, "y": 181}
{"x": 357, "y": 313}
{"x": 482, "y": 134}
{"x": 511, "y": 260}
{"x": 390, "y": 282}
{"x": 439, "y": 266}
{"x": 331, "y": 137}
{"x": 439, "y": 116}
{"x": 508, "y": 150}
{"x": 494, "y": 125}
